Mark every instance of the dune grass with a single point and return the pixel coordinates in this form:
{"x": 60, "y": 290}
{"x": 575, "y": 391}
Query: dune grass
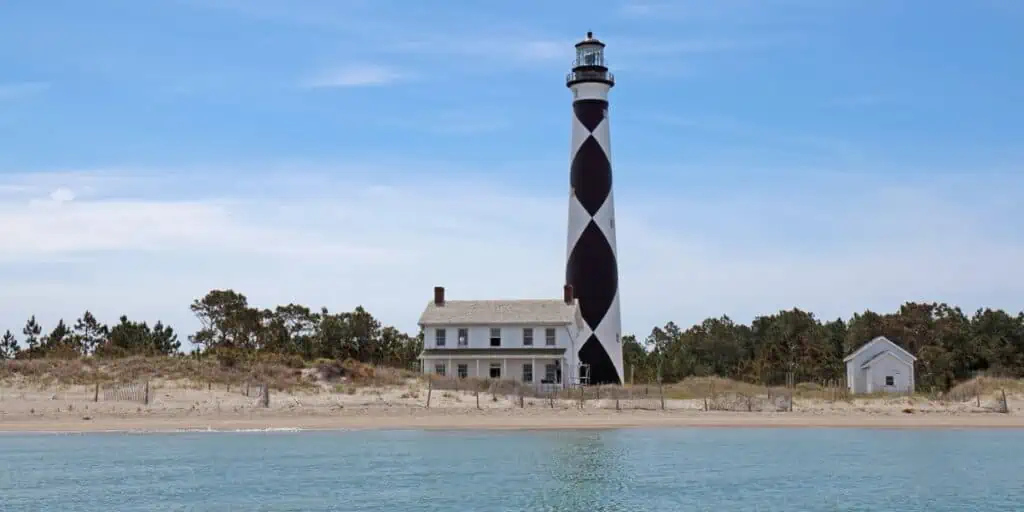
{"x": 292, "y": 374}
{"x": 285, "y": 375}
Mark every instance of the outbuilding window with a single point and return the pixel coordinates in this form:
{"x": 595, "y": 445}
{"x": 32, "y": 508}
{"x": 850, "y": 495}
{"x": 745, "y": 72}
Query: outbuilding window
{"x": 889, "y": 380}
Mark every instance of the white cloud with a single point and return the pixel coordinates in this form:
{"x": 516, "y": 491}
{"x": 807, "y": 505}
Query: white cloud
{"x": 16, "y": 90}
{"x": 62, "y": 195}
{"x": 341, "y": 243}
{"x": 355, "y": 75}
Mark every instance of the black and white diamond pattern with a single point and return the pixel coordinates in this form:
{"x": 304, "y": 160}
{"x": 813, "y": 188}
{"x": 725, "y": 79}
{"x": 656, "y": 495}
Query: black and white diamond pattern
{"x": 592, "y": 268}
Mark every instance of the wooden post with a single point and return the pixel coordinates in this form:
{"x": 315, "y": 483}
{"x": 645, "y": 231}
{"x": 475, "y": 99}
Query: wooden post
{"x": 1006, "y": 405}
{"x": 617, "y": 408}
{"x": 582, "y": 398}
{"x": 430, "y": 387}
{"x": 551, "y": 398}
{"x": 96, "y": 393}
{"x": 266, "y": 395}
{"x": 661, "y": 390}
{"x": 145, "y": 396}
{"x": 477, "y": 393}
{"x": 597, "y": 389}
{"x": 246, "y": 388}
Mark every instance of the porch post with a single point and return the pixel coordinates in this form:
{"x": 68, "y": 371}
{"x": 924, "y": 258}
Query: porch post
{"x": 504, "y": 368}
{"x": 478, "y": 369}
{"x": 533, "y": 364}
{"x": 448, "y": 369}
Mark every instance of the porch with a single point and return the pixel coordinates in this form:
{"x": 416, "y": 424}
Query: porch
{"x": 538, "y": 366}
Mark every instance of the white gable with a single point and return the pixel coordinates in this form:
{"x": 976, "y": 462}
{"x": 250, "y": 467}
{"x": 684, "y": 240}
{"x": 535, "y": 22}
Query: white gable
{"x": 888, "y": 354}
{"x": 881, "y": 344}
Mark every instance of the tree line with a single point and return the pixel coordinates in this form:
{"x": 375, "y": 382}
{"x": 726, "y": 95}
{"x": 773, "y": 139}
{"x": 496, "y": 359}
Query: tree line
{"x": 950, "y": 345}
{"x": 230, "y": 328}
{"x": 88, "y": 336}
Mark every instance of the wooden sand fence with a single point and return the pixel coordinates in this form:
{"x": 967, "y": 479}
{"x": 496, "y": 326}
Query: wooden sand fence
{"x": 652, "y": 397}
{"x": 124, "y": 392}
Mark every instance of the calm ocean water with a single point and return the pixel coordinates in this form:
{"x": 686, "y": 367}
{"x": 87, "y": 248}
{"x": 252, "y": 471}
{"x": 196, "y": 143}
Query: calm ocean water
{"x": 611, "y": 470}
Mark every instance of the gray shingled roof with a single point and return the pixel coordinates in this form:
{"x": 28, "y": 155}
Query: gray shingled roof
{"x": 492, "y": 312}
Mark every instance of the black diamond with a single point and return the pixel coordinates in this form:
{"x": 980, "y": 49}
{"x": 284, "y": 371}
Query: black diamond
{"x": 590, "y": 112}
{"x": 602, "y": 370}
{"x": 590, "y": 175}
{"x": 593, "y": 273}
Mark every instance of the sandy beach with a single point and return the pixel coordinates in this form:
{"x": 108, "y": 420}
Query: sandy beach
{"x": 181, "y": 405}
{"x": 534, "y": 420}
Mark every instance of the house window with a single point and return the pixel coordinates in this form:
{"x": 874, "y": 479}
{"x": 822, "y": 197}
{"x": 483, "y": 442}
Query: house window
{"x": 549, "y": 373}
{"x": 495, "y": 337}
{"x": 463, "y": 337}
{"x": 463, "y": 371}
{"x": 527, "y": 337}
{"x": 440, "y": 336}
{"x": 439, "y": 369}
{"x": 527, "y": 372}
{"x": 889, "y": 380}
{"x": 549, "y": 336}
{"x": 495, "y": 370}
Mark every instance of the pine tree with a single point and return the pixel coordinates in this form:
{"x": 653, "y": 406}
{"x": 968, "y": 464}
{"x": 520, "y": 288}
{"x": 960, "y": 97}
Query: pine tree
{"x": 164, "y": 340}
{"x": 89, "y": 333}
{"x": 32, "y": 331}
{"x": 9, "y": 348}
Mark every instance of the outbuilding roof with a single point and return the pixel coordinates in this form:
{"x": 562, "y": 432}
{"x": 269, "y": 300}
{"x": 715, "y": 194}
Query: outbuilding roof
{"x": 885, "y": 353}
{"x": 877, "y": 340}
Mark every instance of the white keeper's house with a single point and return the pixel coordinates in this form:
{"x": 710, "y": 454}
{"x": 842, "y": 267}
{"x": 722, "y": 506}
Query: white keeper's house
{"x": 531, "y": 341}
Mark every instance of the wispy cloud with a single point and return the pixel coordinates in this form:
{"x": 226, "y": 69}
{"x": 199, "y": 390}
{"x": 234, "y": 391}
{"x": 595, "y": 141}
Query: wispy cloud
{"x": 324, "y": 240}
{"x": 16, "y": 90}
{"x": 355, "y": 75}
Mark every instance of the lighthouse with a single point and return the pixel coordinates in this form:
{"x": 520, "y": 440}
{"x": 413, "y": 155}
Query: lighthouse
{"x": 591, "y": 266}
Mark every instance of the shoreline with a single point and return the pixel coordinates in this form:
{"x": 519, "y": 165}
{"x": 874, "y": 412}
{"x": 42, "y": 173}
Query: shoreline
{"x": 556, "y": 420}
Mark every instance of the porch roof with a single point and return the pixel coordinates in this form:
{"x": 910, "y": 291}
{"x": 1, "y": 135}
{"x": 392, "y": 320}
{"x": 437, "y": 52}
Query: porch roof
{"x": 494, "y": 352}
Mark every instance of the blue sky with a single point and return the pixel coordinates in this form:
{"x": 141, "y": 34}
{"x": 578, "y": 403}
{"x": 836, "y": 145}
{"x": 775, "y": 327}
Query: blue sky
{"x": 834, "y": 156}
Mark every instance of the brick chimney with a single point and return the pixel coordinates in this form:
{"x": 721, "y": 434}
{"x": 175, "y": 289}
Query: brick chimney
{"x": 439, "y": 295}
{"x": 567, "y": 294}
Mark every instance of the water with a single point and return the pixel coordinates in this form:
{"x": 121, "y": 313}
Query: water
{"x": 610, "y": 470}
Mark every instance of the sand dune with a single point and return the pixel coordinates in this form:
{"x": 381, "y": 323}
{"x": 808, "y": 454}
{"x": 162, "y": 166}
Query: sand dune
{"x": 181, "y": 405}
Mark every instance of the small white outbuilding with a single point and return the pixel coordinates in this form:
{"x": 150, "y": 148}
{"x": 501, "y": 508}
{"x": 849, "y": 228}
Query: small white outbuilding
{"x": 880, "y": 366}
